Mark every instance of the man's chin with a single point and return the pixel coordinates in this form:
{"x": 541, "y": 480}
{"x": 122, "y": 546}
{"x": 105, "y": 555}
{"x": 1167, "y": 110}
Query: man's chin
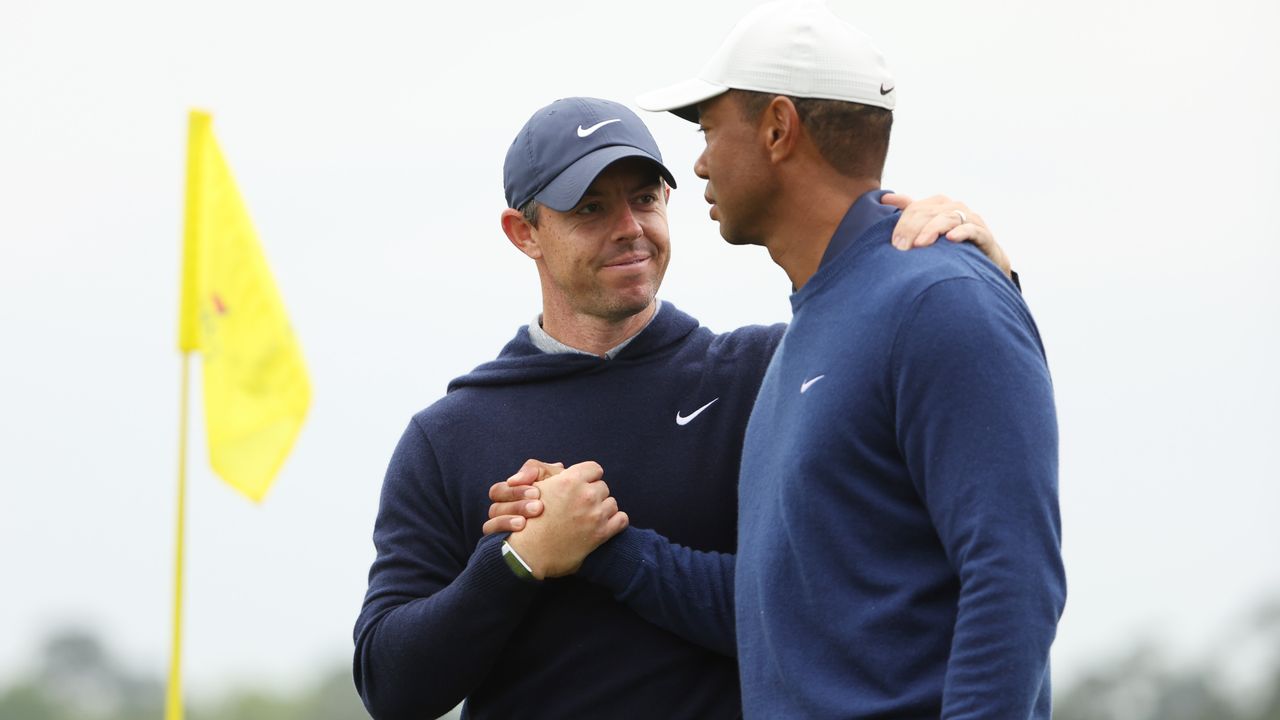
{"x": 627, "y": 305}
{"x": 735, "y": 239}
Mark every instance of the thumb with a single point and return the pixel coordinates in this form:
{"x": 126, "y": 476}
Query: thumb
{"x": 534, "y": 470}
{"x": 896, "y": 200}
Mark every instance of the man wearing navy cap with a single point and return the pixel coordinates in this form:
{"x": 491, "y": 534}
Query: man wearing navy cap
{"x": 521, "y": 624}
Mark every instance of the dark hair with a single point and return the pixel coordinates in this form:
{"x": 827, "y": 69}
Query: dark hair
{"x": 531, "y": 212}
{"x": 852, "y": 137}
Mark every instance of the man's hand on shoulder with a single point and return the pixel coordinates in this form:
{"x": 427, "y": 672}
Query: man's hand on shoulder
{"x": 578, "y": 516}
{"x": 923, "y": 221}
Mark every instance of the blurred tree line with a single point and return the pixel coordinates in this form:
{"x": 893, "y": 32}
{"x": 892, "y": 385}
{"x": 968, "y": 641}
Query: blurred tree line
{"x": 76, "y": 678}
{"x": 1143, "y": 685}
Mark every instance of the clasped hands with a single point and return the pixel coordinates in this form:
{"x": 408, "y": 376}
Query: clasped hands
{"x": 556, "y": 515}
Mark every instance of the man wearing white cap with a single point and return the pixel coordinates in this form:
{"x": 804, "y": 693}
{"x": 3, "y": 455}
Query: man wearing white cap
{"x": 891, "y": 563}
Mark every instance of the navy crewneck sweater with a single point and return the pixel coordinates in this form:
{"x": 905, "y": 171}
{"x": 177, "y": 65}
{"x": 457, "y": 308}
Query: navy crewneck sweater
{"x": 444, "y": 618}
{"x": 898, "y": 547}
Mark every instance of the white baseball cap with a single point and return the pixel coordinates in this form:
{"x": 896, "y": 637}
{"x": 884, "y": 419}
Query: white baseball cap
{"x": 788, "y": 47}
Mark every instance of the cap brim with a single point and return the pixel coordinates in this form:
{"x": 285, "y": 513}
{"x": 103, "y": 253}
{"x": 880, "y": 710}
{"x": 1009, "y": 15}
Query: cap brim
{"x": 569, "y": 186}
{"x": 681, "y": 99}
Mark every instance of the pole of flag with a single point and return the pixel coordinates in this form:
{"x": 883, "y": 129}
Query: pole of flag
{"x": 173, "y": 694}
{"x": 188, "y": 340}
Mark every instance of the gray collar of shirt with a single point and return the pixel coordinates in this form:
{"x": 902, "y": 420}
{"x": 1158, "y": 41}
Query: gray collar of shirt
{"x": 550, "y": 345}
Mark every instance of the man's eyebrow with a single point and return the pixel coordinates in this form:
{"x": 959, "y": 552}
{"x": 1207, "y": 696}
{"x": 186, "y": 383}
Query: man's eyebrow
{"x": 646, "y": 184}
{"x": 592, "y": 192}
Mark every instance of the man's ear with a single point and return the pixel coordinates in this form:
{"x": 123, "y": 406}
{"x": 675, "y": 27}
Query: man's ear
{"x": 780, "y": 128}
{"x": 520, "y": 233}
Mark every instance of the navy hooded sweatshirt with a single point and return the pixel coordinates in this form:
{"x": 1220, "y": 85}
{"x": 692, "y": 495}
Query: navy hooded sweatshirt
{"x": 444, "y": 618}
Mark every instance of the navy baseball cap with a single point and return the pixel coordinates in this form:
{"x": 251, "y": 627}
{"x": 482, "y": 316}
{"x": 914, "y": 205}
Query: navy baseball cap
{"x": 565, "y": 145}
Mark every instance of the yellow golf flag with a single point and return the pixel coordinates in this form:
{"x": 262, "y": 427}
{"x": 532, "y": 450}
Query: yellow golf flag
{"x": 256, "y": 390}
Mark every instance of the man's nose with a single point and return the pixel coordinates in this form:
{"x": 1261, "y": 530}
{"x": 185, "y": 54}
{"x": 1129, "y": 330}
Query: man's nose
{"x": 700, "y": 166}
{"x": 626, "y": 226}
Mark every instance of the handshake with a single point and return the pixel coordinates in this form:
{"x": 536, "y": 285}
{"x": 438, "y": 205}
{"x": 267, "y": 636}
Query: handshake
{"x": 556, "y": 515}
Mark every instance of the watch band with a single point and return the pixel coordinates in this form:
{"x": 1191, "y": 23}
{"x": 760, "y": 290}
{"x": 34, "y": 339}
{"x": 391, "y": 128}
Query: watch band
{"x": 517, "y": 563}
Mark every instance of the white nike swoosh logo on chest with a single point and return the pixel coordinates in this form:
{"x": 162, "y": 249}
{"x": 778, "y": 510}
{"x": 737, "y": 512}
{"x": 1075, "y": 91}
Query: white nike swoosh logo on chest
{"x": 584, "y": 133}
{"x": 804, "y": 386}
{"x": 686, "y": 419}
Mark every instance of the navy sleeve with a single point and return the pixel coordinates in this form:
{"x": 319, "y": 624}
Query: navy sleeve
{"x": 685, "y": 591}
{"x": 437, "y": 613}
{"x": 976, "y": 425}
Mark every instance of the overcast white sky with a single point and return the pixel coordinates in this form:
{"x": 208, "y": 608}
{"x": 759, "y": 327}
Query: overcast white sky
{"x": 1125, "y": 153}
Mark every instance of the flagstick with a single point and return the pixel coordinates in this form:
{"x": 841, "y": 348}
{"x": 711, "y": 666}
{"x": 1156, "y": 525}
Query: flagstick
{"x": 173, "y": 696}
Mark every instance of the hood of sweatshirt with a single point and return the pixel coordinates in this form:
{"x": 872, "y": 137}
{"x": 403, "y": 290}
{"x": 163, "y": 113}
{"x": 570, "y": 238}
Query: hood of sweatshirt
{"x": 521, "y": 362}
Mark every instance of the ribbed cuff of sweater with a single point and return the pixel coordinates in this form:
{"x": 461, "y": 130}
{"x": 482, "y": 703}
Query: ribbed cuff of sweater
{"x": 615, "y": 564}
{"x": 487, "y": 574}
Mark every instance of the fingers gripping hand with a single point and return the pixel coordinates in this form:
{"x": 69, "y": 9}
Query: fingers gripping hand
{"x": 517, "y": 498}
{"x": 582, "y": 496}
{"x": 924, "y": 221}
{"x": 579, "y": 515}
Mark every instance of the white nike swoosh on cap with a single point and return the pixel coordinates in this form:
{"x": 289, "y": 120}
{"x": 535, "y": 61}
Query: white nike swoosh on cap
{"x": 685, "y": 420}
{"x": 584, "y": 133}
{"x": 804, "y": 386}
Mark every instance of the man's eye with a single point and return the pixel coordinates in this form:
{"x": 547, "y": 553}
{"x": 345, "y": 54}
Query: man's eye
{"x": 647, "y": 199}
{"x": 589, "y": 209}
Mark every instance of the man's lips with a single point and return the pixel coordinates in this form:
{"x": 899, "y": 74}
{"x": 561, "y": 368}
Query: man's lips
{"x": 627, "y": 261}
